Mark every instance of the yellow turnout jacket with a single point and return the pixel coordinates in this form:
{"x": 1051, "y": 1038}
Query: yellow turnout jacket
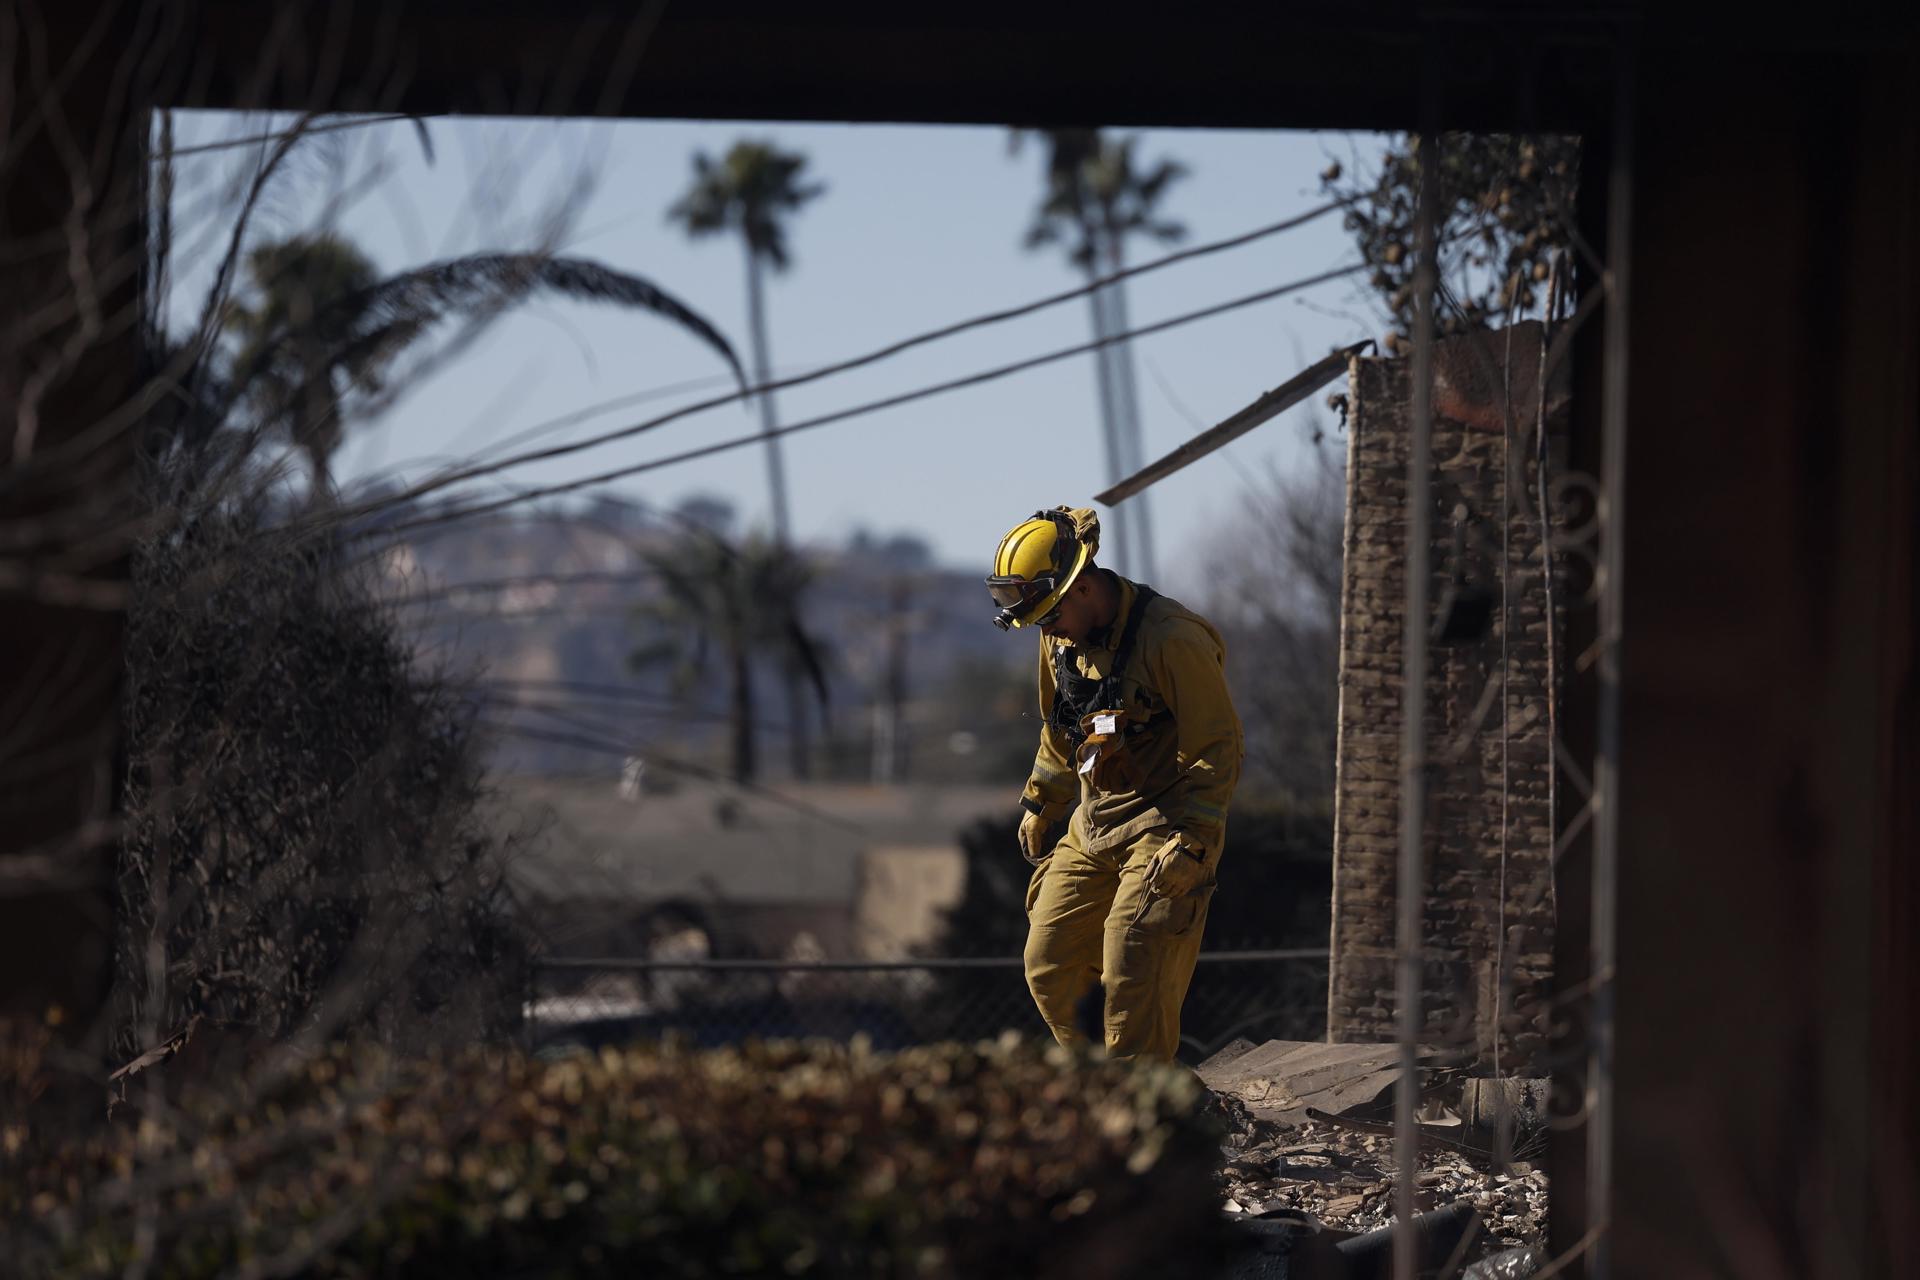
{"x": 1188, "y": 751}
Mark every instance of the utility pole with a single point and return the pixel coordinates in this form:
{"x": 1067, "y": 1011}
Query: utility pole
{"x": 1126, "y": 401}
{"x": 1118, "y": 523}
{"x": 890, "y": 710}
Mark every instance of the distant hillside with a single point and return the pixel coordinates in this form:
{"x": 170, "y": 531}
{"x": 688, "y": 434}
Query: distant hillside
{"x": 541, "y": 605}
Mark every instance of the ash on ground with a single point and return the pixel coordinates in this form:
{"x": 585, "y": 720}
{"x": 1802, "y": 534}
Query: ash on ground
{"x": 1329, "y": 1166}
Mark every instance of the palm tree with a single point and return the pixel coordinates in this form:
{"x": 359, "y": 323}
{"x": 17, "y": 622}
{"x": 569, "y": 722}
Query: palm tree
{"x": 320, "y": 330}
{"x": 288, "y": 363}
{"x": 1095, "y": 199}
{"x": 752, "y": 190}
{"x": 730, "y": 604}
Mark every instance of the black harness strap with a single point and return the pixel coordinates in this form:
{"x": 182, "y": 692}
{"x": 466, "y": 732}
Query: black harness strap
{"x": 1074, "y": 695}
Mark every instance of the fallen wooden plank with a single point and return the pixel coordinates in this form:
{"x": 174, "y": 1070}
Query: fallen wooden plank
{"x": 1271, "y": 405}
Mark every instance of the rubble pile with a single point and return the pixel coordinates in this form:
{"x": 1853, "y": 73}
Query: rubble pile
{"x": 1347, "y": 1181}
{"x": 1285, "y": 1156}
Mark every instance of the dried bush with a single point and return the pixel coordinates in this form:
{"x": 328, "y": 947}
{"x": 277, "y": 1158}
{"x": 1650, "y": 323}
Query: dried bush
{"x": 304, "y": 850}
{"x": 1274, "y": 592}
{"x": 1505, "y": 208}
{"x": 797, "y": 1158}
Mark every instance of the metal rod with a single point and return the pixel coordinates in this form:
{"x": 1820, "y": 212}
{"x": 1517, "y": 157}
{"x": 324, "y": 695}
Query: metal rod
{"x": 1542, "y": 461}
{"x": 633, "y": 964}
{"x": 1506, "y": 685}
{"x": 1410, "y": 885}
{"x": 1270, "y": 405}
{"x": 1606, "y": 773}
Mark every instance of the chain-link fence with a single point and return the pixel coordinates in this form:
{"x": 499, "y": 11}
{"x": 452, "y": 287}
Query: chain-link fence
{"x": 1268, "y": 994}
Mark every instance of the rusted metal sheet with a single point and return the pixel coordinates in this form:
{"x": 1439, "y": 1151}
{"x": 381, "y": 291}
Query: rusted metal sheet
{"x": 1281, "y": 1079}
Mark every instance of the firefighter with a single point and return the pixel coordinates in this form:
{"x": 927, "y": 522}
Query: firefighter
{"x": 1139, "y": 752}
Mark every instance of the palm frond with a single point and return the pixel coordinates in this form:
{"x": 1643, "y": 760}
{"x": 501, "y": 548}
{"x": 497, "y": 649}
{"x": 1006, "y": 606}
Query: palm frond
{"x": 1040, "y": 235}
{"x": 809, "y": 654}
{"x": 423, "y": 295}
{"x": 1166, "y": 230}
{"x": 364, "y": 355}
{"x": 705, "y": 208}
{"x": 751, "y": 189}
{"x": 426, "y": 137}
{"x": 1149, "y": 189}
{"x": 653, "y": 653}
{"x": 1094, "y": 190}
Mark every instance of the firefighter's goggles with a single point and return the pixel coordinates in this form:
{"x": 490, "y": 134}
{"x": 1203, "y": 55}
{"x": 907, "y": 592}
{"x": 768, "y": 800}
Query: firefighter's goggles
{"x": 1017, "y": 597}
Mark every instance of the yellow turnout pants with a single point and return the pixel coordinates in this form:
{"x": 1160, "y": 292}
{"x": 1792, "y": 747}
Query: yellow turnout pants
{"x": 1090, "y": 919}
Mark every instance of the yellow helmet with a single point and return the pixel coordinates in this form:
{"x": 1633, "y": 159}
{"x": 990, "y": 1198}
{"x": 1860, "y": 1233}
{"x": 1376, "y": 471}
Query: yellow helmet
{"x": 1038, "y": 561}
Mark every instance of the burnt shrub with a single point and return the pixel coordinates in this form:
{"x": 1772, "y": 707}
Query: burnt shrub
{"x": 806, "y": 1158}
{"x": 304, "y": 851}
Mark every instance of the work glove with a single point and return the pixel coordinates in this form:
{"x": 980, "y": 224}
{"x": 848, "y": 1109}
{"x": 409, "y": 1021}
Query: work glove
{"x": 1033, "y": 838}
{"x": 1176, "y": 870}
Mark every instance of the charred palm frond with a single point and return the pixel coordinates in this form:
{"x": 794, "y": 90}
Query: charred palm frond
{"x": 322, "y": 325}
{"x": 404, "y": 305}
{"x": 367, "y": 326}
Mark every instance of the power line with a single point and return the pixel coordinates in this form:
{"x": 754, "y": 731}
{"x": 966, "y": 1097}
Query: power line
{"x": 229, "y": 144}
{"x": 586, "y": 688}
{"x": 494, "y": 585}
{"x": 572, "y": 719}
{"x": 590, "y": 695}
{"x": 574, "y": 416}
{"x": 671, "y": 765}
{"x": 857, "y": 362}
{"x": 530, "y": 617}
{"x": 559, "y": 423}
{"x": 590, "y": 716}
{"x": 872, "y": 406}
{"x": 602, "y": 722}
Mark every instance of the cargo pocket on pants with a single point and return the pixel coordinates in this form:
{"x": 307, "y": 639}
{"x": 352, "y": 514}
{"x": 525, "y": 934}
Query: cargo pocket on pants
{"x": 1033, "y": 884}
{"x": 1171, "y": 917}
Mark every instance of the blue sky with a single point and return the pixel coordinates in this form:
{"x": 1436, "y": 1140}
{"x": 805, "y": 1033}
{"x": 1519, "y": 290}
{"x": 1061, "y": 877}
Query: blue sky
{"x": 920, "y": 226}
